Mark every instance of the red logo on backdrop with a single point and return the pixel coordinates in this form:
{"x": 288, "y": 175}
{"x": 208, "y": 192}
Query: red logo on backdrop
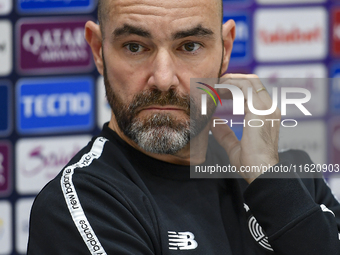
{"x": 295, "y": 35}
{"x": 336, "y": 32}
{"x": 53, "y": 46}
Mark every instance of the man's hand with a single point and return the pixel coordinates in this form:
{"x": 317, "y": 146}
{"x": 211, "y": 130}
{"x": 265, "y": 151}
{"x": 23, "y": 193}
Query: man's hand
{"x": 259, "y": 145}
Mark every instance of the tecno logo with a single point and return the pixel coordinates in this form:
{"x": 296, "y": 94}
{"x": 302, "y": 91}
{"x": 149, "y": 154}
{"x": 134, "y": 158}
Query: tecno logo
{"x": 291, "y": 34}
{"x": 55, "y": 104}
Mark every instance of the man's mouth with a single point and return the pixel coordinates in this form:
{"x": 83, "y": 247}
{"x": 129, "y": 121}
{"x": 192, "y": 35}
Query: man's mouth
{"x": 162, "y": 108}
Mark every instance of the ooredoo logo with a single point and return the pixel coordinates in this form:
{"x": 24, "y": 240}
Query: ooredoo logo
{"x": 51, "y": 46}
{"x": 291, "y": 34}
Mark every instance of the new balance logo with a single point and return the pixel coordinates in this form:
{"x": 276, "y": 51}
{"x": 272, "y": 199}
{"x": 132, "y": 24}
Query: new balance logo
{"x": 182, "y": 241}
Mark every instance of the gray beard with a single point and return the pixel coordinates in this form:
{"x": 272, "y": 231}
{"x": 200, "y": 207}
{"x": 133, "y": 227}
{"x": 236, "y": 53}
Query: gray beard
{"x": 159, "y": 133}
{"x": 158, "y": 136}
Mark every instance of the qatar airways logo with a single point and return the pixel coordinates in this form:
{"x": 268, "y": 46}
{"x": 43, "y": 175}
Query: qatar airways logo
{"x": 53, "y": 46}
{"x": 239, "y": 102}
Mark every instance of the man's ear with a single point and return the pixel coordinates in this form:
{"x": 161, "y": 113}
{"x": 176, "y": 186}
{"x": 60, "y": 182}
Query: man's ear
{"x": 93, "y": 37}
{"x": 228, "y": 36}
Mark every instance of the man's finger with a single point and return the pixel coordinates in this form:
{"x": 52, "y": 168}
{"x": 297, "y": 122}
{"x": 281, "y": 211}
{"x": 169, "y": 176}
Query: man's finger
{"x": 224, "y": 135}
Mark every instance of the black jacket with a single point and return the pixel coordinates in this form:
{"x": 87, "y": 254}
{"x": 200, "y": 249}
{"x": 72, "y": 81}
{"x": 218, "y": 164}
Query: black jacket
{"x": 113, "y": 199}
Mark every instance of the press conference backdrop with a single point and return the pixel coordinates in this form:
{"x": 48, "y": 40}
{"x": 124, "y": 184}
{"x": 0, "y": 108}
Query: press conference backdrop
{"x": 52, "y": 98}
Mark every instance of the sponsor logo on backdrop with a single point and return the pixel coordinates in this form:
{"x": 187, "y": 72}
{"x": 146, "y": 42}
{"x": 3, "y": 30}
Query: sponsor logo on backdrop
{"x": 336, "y": 32}
{"x": 335, "y": 89}
{"x": 5, "y": 108}
{"x": 22, "y": 213}
{"x": 291, "y": 34}
{"x": 40, "y": 159}
{"x": 310, "y": 136}
{"x": 5, "y": 6}
{"x": 53, "y": 46}
{"x": 292, "y": 71}
{"x": 55, "y": 6}
{"x": 241, "y": 47}
{"x": 6, "y": 54}
{"x": 289, "y": 1}
{"x": 103, "y": 107}
{"x": 54, "y": 105}
{"x": 5, "y": 168}
{"x": 5, "y": 228}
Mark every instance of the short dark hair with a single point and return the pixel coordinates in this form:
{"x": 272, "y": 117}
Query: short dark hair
{"x": 102, "y": 13}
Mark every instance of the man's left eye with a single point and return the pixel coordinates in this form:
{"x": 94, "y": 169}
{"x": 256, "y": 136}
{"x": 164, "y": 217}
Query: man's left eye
{"x": 191, "y": 47}
{"x": 134, "y": 47}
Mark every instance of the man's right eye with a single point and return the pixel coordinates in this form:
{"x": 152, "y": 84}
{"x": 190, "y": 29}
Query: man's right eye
{"x": 134, "y": 47}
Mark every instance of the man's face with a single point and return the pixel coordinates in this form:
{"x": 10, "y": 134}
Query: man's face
{"x": 151, "y": 50}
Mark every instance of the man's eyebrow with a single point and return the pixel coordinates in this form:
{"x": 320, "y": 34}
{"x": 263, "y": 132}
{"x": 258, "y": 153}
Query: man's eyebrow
{"x": 196, "y": 31}
{"x": 131, "y": 30}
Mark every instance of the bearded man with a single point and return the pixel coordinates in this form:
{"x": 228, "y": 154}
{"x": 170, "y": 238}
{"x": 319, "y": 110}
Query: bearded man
{"x": 129, "y": 190}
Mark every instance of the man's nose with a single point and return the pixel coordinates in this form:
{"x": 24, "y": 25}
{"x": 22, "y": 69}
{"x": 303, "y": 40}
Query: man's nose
{"x": 163, "y": 71}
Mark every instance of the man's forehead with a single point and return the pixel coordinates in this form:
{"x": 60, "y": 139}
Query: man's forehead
{"x": 163, "y": 8}
{"x": 164, "y": 15}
